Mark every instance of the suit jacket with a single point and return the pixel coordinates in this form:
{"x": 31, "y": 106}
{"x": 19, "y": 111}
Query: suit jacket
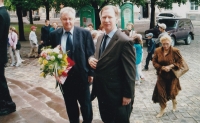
{"x": 115, "y": 71}
{"x": 45, "y": 30}
{"x": 83, "y": 48}
{"x": 4, "y": 29}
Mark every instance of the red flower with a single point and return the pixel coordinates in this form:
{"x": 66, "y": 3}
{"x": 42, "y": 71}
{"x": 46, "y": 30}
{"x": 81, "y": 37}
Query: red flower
{"x": 64, "y": 73}
{"x": 70, "y": 62}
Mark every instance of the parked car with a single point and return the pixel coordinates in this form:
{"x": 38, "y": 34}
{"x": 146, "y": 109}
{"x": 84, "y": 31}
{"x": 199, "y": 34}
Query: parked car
{"x": 177, "y": 28}
{"x": 166, "y": 15}
{"x": 35, "y": 17}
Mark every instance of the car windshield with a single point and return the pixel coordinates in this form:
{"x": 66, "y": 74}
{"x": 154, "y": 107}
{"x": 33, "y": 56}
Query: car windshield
{"x": 166, "y": 14}
{"x": 169, "y": 23}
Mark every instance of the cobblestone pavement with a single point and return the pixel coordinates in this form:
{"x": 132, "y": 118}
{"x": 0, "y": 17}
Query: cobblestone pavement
{"x": 145, "y": 110}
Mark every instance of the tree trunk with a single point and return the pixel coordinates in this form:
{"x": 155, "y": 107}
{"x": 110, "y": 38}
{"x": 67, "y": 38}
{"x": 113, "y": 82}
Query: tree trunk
{"x": 30, "y": 16}
{"x": 97, "y": 10}
{"x": 97, "y": 19}
{"x": 152, "y": 21}
{"x": 47, "y": 11}
{"x": 20, "y": 24}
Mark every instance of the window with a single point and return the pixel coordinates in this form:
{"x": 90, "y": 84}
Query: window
{"x": 193, "y": 6}
{"x": 169, "y": 23}
{"x": 181, "y": 23}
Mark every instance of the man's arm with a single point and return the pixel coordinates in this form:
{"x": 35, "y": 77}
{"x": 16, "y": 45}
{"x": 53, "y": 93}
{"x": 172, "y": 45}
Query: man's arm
{"x": 52, "y": 40}
{"x": 1, "y": 27}
{"x": 89, "y": 51}
{"x": 158, "y": 39}
{"x": 42, "y": 34}
{"x": 151, "y": 43}
{"x": 129, "y": 67}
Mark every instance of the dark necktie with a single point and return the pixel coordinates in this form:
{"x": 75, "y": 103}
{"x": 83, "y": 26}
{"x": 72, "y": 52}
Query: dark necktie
{"x": 104, "y": 43}
{"x": 69, "y": 46}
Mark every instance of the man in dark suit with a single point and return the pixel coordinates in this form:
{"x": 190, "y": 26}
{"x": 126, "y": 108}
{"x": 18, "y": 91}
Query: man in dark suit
{"x": 45, "y": 30}
{"x": 114, "y": 64}
{"x": 7, "y": 106}
{"x": 79, "y": 46}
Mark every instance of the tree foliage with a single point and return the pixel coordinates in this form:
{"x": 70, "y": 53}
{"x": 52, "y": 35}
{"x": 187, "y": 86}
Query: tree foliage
{"x": 29, "y": 5}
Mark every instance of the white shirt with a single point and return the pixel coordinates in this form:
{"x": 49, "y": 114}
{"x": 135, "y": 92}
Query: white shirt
{"x": 110, "y": 35}
{"x": 64, "y": 39}
{"x": 33, "y": 39}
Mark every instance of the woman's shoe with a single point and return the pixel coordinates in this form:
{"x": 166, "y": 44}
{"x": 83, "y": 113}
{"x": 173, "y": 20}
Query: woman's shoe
{"x": 18, "y": 64}
{"x": 13, "y": 64}
{"x": 162, "y": 111}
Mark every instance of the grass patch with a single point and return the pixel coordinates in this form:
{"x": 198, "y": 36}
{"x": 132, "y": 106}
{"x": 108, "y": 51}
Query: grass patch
{"x": 27, "y": 30}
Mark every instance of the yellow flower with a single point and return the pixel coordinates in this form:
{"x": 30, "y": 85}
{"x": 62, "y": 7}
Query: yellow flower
{"x": 40, "y": 60}
{"x": 45, "y": 62}
{"x": 42, "y": 66}
{"x": 65, "y": 59}
{"x": 60, "y": 72}
{"x": 42, "y": 74}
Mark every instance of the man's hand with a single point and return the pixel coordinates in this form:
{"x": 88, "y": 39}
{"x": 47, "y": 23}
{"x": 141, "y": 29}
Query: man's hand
{"x": 90, "y": 79}
{"x": 93, "y": 62}
{"x": 126, "y": 101}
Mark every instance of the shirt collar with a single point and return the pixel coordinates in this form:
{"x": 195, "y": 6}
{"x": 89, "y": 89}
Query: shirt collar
{"x": 110, "y": 35}
{"x": 71, "y": 31}
{"x": 1, "y": 5}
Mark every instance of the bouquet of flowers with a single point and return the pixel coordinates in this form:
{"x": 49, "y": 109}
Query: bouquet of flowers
{"x": 55, "y": 63}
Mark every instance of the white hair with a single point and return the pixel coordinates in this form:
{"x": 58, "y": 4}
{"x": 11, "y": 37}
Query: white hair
{"x": 165, "y": 37}
{"x": 68, "y": 10}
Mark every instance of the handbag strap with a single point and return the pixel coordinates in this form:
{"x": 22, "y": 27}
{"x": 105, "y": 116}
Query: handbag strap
{"x": 11, "y": 36}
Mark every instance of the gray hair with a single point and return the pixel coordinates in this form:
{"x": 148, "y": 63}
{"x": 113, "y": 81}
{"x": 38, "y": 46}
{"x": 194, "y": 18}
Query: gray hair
{"x": 68, "y": 10}
{"x": 165, "y": 37}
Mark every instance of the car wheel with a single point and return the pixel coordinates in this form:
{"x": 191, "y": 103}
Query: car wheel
{"x": 173, "y": 41}
{"x": 188, "y": 39}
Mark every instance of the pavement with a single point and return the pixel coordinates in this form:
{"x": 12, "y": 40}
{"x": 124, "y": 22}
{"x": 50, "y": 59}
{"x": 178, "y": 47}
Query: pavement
{"x": 38, "y": 101}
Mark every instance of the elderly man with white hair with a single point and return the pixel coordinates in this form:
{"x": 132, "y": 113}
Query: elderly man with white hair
{"x": 78, "y": 44}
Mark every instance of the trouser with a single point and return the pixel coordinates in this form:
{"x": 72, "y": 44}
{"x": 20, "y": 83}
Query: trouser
{"x": 149, "y": 57}
{"x": 17, "y": 55}
{"x": 114, "y": 114}
{"x": 11, "y": 55}
{"x": 40, "y": 48}
{"x": 137, "y": 76}
{"x": 140, "y": 70}
{"x": 4, "y": 92}
{"x": 33, "y": 52}
{"x": 74, "y": 92}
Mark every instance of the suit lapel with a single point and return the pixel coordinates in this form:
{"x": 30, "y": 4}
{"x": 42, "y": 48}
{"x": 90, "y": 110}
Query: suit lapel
{"x": 76, "y": 38}
{"x": 111, "y": 44}
{"x": 60, "y": 32}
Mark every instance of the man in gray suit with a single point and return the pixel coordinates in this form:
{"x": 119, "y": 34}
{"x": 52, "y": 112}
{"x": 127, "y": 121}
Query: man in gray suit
{"x": 114, "y": 64}
{"x": 7, "y": 106}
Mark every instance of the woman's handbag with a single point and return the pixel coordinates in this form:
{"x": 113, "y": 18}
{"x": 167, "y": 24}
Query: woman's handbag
{"x": 179, "y": 72}
{"x": 18, "y": 46}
